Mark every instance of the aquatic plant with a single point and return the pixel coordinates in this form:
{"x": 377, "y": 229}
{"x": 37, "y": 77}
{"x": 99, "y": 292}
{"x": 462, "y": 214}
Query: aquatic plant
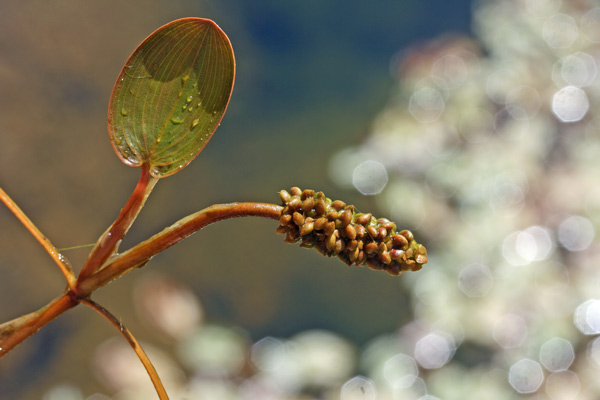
{"x": 166, "y": 104}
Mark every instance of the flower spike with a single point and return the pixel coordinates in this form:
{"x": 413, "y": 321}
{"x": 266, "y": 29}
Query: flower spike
{"x": 335, "y": 229}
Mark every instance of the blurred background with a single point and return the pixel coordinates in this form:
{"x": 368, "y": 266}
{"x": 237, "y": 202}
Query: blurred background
{"x": 472, "y": 124}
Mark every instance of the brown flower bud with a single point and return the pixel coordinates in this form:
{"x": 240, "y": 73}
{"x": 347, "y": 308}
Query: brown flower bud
{"x": 397, "y": 254}
{"x": 389, "y": 245}
{"x": 338, "y": 205}
{"x": 285, "y": 220}
{"x": 307, "y": 193}
{"x": 387, "y": 224}
{"x": 330, "y": 243}
{"x": 362, "y": 258}
{"x": 399, "y": 241}
{"x": 350, "y": 232}
{"x": 298, "y": 218}
{"x": 284, "y": 196}
{"x": 360, "y": 231}
{"x": 334, "y": 216}
{"x": 308, "y": 204}
{"x": 329, "y": 228}
{"x": 290, "y": 237}
{"x": 308, "y": 242}
{"x": 339, "y": 246}
{"x": 372, "y": 231}
{"x": 408, "y": 235}
{"x": 385, "y": 257}
{"x": 371, "y": 248}
{"x": 321, "y": 222}
{"x": 295, "y": 204}
{"x": 352, "y": 245}
{"x": 353, "y": 255}
{"x": 307, "y": 228}
{"x": 321, "y": 207}
{"x": 394, "y": 269}
{"x": 345, "y": 218}
{"x": 364, "y": 219}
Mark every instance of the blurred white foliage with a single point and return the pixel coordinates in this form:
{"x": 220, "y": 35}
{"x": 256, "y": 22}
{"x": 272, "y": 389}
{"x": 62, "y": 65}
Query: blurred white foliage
{"x": 168, "y": 307}
{"x": 492, "y": 148}
{"x": 63, "y": 392}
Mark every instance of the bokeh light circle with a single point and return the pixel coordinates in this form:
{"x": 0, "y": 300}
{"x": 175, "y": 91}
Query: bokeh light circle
{"x": 358, "y": 388}
{"x": 576, "y": 233}
{"x": 590, "y": 25}
{"x": 570, "y": 104}
{"x": 434, "y": 350}
{"x": 426, "y": 104}
{"x": 593, "y": 351}
{"x": 526, "y": 376}
{"x": 577, "y": 69}
{"x": 400, "y": 370}
{"x": 370, "y": 177}
{"x": 557, "y": 354}
{"x": 560, "y": 31}
{"x": 563, "y": 385}
{"x": 587, "y": 317}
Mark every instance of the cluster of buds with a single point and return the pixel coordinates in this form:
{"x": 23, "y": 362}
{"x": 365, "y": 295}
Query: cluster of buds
{"x": 335, "y": 229}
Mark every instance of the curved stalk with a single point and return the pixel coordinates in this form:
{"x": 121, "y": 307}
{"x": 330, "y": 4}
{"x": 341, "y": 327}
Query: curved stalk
{"x": 14, "y": 332}
{"x": 59, "y": 259}
{"x": 160, "y": 389}
{"x": 140, "y": 254}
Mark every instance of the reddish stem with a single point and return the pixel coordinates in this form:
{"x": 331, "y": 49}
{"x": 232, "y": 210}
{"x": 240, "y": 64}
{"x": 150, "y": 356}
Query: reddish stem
{"x": 183, "y": 228}
{"x": 109, "y": 242}
{"x": 160, "y": 389}
{"x": 60, "y": 260}
{"x": 16, "y": 331}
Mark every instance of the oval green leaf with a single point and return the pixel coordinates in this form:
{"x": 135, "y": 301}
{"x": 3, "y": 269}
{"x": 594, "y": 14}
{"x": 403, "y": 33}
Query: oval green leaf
{"x": 171, "y": 95}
